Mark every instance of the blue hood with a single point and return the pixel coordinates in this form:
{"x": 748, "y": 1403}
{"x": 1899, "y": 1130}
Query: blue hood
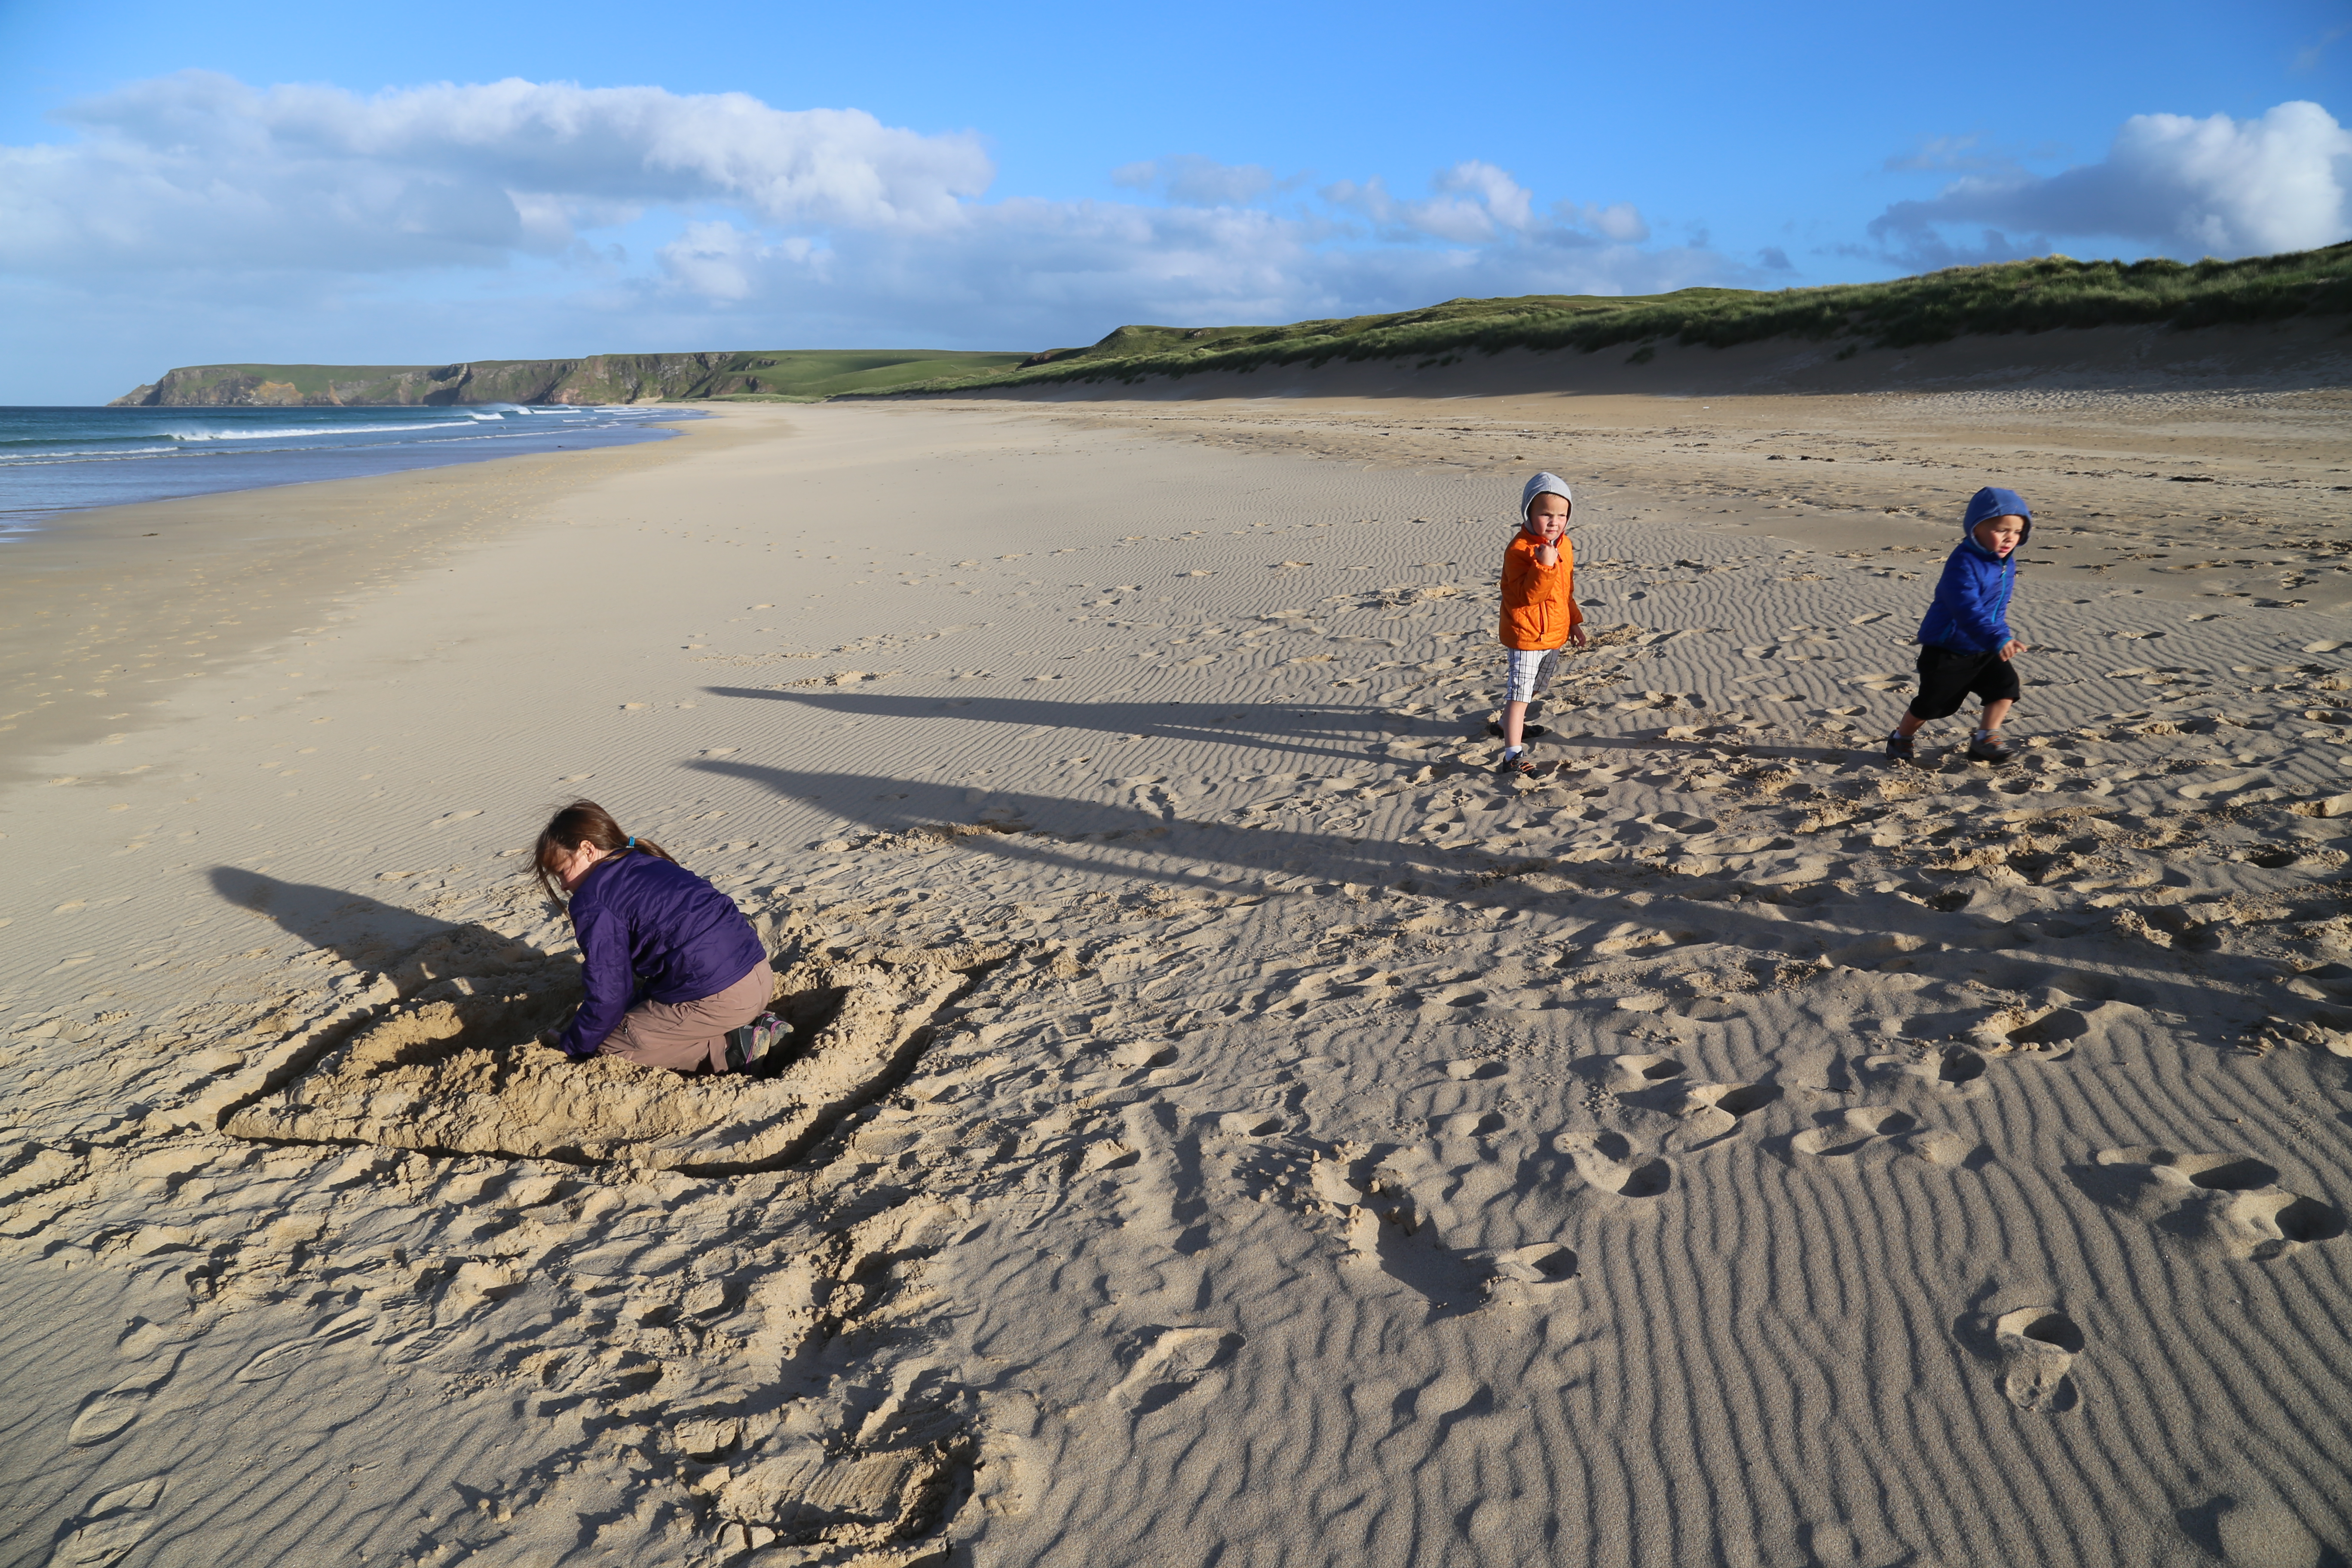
{"x": 1970, "y": 612}
{"x": 1994, "y": 501}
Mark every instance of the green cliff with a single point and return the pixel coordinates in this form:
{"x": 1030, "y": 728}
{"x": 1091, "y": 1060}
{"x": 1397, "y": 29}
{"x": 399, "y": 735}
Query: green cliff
{"x": 597, "y": 379}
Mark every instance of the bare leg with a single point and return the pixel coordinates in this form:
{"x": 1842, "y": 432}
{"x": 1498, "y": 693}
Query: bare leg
{"x": 1909, "y": 725}
{"x": 1995, "y": 711}
{"x": 1515, "y": 720}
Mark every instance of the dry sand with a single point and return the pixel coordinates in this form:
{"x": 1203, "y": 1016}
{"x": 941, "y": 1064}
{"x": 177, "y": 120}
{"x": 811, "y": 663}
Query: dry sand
{"x": 1234, "y": 1128}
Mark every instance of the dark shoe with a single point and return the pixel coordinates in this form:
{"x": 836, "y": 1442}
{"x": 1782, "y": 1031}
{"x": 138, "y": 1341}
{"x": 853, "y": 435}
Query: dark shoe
{"x": 1983, "y": 750}
{"x": 1900, "y": 749}
{"x": 747, "y": 1046}
{"x": 1515, "y": 765}
{"x": 1527, "y": 732}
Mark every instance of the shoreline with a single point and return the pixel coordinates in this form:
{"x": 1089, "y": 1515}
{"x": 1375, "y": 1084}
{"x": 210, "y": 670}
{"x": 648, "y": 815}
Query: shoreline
{"x": 472, "y": 442}
{"x": 237, "y": 573}
{"x": 1221, "y": 1087}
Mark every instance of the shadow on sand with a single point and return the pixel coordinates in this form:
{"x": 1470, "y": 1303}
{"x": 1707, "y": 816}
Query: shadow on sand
{"x": 411, "y": 950}
{"x": 1156, "y": 844}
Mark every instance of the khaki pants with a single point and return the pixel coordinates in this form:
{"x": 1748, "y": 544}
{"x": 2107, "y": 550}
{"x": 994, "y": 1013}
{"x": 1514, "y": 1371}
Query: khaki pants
{"x": 687, "y": 1036}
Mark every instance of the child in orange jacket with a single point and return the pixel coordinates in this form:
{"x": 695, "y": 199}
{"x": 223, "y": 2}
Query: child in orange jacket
{"x": 1540, "y": 611}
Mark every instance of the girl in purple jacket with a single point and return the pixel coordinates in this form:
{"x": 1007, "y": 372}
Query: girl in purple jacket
{"x": 675, "y": 976}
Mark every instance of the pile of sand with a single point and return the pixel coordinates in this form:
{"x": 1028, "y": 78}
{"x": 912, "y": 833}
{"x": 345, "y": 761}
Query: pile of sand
{"x": 455, "y": 1069}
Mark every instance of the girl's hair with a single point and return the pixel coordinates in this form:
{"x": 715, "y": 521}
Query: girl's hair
{"x": 583, "y": 822}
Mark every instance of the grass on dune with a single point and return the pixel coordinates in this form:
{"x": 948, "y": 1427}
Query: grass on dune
{"x": 801, "y": 377}
{"x": 2034, "y": 296}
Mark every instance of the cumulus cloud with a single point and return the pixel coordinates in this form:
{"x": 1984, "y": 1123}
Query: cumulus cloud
{"x": 202, "y": 170}
{"x": 507, "y": 202}
{"x": 1474, "y": 202}
{"x": 2184, "y": 186}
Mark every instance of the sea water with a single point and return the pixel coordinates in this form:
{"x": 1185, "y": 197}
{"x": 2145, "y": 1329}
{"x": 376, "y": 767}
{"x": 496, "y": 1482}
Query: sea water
{"x": 59, "y": 459}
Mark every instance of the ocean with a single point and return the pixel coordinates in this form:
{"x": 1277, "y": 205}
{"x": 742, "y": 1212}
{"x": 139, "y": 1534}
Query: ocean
{"x": 55, "y": 460}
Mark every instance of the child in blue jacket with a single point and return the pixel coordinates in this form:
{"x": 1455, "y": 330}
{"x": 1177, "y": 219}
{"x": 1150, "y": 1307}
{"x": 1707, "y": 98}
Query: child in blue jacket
{"x": 1965, "y": 643}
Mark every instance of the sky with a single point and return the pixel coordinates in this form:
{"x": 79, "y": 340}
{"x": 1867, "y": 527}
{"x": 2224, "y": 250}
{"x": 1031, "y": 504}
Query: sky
{"x": 244, "y": 182}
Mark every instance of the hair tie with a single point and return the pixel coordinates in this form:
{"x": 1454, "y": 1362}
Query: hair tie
{"x": 631, "y": 844}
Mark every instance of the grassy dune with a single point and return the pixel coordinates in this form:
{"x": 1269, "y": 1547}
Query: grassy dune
{"x": 2011, "y": 296}
{"x": 806, "y": 375}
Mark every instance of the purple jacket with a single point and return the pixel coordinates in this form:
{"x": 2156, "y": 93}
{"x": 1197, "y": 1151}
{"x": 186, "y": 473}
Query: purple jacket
{"x": 650, "y": 930}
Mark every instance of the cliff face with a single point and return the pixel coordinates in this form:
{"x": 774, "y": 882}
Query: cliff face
{"x": 598, "y": 379}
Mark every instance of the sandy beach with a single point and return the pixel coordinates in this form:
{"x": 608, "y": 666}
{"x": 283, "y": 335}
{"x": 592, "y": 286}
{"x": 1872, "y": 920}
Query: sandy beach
{"x": 1232, "y": 1127}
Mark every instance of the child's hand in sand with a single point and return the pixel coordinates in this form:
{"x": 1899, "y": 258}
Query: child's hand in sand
{"x": 2010, "y": 649}
{"x": 1575, "y": 636}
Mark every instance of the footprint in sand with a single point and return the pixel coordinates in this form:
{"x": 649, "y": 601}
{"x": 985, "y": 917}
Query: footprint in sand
{"x": 1639, "y": 1071}
{"x": 1169, "y": 1362}
{"x": 2222, "y": 1201}
{"x": 117, "y": 1521}
{"x": 1955, "y": 1069}
{"x": 1851, "y": 1132}
{"x": 110, "y": 1414}
{"x": 2038, "y": 1346}
{"x": 1536, "y": 1275}
{"x": 279, "y": 1360}
{"x": 1713, "y": 1110}
{"x": 1843, "y": 1135}
{"x": 1610, "y": 1163}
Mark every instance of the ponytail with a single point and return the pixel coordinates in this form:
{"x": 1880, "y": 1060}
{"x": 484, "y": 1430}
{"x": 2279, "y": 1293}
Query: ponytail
{"x": 584, "y": 822}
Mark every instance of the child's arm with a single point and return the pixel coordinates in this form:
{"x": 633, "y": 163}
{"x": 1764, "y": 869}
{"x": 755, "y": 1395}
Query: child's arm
{"x": 604, "y": 976}
{"x": 1972, "y": 599}
{"x": 1517, "y": 569}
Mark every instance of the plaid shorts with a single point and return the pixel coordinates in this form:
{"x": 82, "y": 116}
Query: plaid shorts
{"x": 1531, "y": 672}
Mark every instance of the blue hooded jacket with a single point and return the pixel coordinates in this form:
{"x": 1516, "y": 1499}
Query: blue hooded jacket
{"x": 1970, "y": 614}
{"x": 649, "y": 928}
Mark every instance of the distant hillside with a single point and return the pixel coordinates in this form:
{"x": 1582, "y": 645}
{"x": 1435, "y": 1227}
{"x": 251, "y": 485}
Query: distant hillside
{"x": 2010, "y": 297}
{"x": 780, "y": 374}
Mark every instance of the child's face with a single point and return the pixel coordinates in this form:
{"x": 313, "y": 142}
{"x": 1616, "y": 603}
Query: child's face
{"x": 2001, "y": 534}
{"x": 1548, "y": 518}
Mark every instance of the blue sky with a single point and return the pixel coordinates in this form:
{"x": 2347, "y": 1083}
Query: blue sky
{"x": 262, "y": 182}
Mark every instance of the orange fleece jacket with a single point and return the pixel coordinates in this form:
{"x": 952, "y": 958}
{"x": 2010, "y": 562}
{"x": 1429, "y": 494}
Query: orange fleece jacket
{"x": 1538, "y": 602}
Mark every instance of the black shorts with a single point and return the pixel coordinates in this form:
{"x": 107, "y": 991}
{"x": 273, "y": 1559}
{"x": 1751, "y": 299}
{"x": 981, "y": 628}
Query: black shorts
{"x": 1947, "y": 675}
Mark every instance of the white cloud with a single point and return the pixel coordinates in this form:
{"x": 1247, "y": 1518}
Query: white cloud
{"x": 199, "y": 205}
{"x": 1475, "y": 201}
{"x": 198, "y": 169}
{"x": 1196, "y": 180}
{"x": 2191, "y": 187}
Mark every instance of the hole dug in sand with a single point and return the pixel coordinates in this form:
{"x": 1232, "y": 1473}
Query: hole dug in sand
{"x": 456, "y": 1071}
